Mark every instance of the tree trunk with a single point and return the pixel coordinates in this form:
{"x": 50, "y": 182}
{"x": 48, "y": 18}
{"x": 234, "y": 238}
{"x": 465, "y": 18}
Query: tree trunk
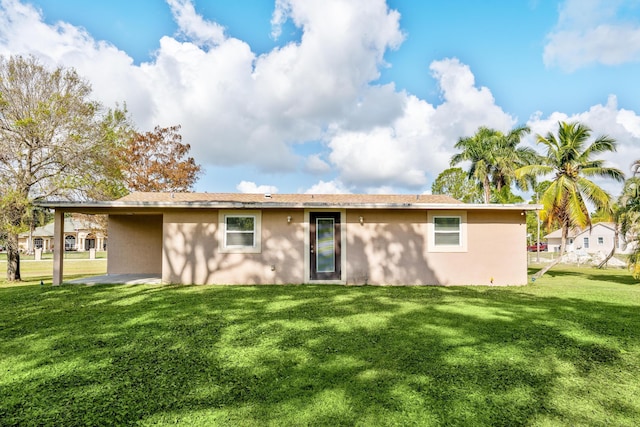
{"x": 486, "y": 185}
{"x": 604, "y": 262}
{"x": 563, "y": 245}
{"x": 13, "y": 258}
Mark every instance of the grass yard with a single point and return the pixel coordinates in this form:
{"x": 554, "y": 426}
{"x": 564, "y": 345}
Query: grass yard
{"x": 34, "y": 271}
{"x": 564, "y": 351}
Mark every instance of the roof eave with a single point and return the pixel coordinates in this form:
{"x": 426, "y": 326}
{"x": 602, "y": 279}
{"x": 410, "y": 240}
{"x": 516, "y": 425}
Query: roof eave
{"x": 66, "y": 205}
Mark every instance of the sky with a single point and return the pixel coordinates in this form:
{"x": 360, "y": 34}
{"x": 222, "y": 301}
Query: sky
{"x": 344, "y": 96}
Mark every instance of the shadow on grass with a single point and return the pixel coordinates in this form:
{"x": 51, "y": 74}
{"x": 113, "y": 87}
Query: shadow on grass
{"x": 300, "y": 355}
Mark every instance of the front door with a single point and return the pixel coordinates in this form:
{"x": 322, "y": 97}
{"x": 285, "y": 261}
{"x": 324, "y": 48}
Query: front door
{"x": 324, "y": 247}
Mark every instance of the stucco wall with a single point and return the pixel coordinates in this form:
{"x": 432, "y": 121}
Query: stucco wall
{"x": 135, "y": 244}
{"x": 388, "y": 247}
{"x": 191, "y": 250}
{"x": 391, "y": 247}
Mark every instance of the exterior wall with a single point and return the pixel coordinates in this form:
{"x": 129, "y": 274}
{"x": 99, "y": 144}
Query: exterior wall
{"x": 391, "y": 247}
{"x": 135, "y": 244}
{"x": 191, "y": 254}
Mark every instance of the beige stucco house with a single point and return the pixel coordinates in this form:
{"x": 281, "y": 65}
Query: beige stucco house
{"x": 207, "y": 238}
{"x": 79, "y": 235}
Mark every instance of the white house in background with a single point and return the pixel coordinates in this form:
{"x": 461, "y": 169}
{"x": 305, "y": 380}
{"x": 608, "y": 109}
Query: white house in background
{"x": 601, "y": 238}
{"x": 79, "y": 235}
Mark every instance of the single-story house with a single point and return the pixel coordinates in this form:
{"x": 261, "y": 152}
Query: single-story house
{"x": 226, "y": 238}
{"x": 79, "y": 235}
{"x": 600, "y": 238}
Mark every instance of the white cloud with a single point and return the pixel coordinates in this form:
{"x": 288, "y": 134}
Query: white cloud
{"x": 252, "y": 188}
{"x": 418, "y": 144}
{"x": 593, "y": 31}
{"x": 194, "y": 26}
{"x": 314, "y": 164}
{"x": 328, "y": 187}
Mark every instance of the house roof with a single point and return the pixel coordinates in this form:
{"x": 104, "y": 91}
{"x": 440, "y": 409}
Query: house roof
{"x": 47, "y": 230}
{"x": 71, "y": 225}
{"x": 150, "y": 201}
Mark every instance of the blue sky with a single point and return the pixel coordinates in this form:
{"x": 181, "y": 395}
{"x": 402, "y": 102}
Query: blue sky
{"x": 344, "y": 95}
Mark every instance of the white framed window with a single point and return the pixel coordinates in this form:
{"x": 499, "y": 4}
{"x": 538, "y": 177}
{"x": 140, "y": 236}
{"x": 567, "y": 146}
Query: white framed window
{"x": 447, "y": 231}
{"x": 600, "y": 241}
{"x": 240, "y": 231}
{"x": 586, "y": 243}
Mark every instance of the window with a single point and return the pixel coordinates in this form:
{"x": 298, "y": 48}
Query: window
{"x": 37, "y": 243}
{"x": 600, "y": 241}
{"x": 586, "y": 243}
{"x": 240, "y": 231}
{"x": 447, "y": 231}
{"x": 70, "y": 243}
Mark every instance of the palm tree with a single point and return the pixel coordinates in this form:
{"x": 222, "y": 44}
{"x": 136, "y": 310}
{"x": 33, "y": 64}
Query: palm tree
{"x": 629, "y": 220}
{"x": 508, "y": 157}
{"x": 569, "y": 157}
{"x": 494, "y": 157}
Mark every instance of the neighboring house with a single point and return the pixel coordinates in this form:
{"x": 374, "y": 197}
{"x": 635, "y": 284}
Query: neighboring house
{"x": 601, "y": 238}
{"x": 221, "y": 238}
{"x": 79, "y": 235}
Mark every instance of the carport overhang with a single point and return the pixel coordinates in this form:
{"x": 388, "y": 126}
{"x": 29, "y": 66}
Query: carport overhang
{"x": 61, "y": 208}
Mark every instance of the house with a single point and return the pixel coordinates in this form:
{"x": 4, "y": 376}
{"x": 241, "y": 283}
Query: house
{"x": 601, "y": 238}
{"x": 226, "y": 238}
{"x": 79, "y": 235}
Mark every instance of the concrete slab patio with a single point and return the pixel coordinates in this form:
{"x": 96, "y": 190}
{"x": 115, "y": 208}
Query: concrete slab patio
{"x": 118, "y": 279}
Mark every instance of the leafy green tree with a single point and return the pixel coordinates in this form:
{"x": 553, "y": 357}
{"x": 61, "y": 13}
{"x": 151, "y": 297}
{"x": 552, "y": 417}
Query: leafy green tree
{"x": 54, "y": 142}
{"x": 455, "y": 182}
{"x": 494, "y": 157}
{"x": 505, "y": 196}
{"x": 569, "y": 156}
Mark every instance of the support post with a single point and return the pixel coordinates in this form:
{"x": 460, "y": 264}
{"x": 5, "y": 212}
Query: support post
{"x": 58, "y": 247}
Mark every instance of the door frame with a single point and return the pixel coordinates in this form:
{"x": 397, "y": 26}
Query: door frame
{"x": 307, "y": 246}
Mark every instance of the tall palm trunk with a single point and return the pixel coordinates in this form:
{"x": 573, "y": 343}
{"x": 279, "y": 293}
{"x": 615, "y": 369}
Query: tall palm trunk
{"x": 613, "y": 249}
{"x": 486, "y": 185}
{"x": 563, "y": 248}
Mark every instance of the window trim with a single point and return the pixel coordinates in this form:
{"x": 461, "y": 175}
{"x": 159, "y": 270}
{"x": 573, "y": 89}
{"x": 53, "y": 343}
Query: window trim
{"x": 431, "y": 231}
{"x": 257, "y": 232}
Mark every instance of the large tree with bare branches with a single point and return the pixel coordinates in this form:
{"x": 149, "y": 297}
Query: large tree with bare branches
{"x": 54, "y": 142}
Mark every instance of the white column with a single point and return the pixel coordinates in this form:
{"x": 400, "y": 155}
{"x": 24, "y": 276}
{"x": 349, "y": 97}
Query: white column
{"x": 58, "y": 247}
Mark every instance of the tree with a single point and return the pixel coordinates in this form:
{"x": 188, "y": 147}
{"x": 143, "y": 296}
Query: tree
{"x": 628, "y": 216}
{"x": 456, "y": 183}
{"x": 157, "y": 161}
{"x": 52, "y": 141}
{"x": 505, "y": 196}
{"x": 494, "y": 157}
{"x": 569, "y": 157}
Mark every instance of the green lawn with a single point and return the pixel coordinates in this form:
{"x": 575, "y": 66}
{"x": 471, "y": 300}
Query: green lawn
{"x": 564, "y": 351}
{"x": 34, "y": 271}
